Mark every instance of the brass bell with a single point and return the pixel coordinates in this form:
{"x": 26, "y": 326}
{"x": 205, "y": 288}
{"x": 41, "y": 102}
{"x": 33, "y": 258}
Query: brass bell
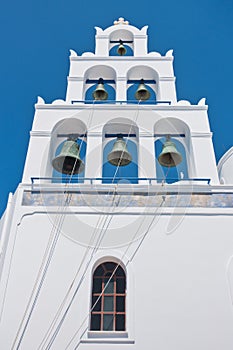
{"x": 119, "y": 156}
{"x": 169, "y": 157}
{"x": 69, "y": 161}
{"x": 100, "y": 93}
{"x": 142, "y": 93}
{"x": 121, "y": 49}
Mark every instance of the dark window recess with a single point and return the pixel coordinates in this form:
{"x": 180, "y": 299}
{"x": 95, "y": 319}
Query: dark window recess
{"x": 108, "y": 298}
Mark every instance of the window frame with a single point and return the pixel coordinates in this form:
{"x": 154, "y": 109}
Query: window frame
{"x": 104, "y": 293}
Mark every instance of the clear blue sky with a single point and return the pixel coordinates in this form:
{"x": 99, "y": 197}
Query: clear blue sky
{"x": 35, "y": 42}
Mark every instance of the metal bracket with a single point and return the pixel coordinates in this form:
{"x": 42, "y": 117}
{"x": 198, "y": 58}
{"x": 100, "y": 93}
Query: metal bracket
{"x": 72, "y": 136}
{"x": 119, "y": 135}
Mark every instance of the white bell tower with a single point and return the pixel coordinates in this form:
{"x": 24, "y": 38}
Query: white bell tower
{"x": 119, "y": 234}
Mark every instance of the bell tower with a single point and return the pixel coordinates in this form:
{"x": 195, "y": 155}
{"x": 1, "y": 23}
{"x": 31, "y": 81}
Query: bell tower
{"x": 120, "y": 232}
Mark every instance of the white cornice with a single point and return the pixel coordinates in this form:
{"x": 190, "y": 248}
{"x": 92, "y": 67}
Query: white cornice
{"x": 72, "y": 78}
{"x": 81, "y": 105}
{"x": 167, "y": 78}
{"x": 125, "y": 58}
{"x": 40, "y": 133}
{"x": 202, "y": 134}
{"x": 75, "y": 79}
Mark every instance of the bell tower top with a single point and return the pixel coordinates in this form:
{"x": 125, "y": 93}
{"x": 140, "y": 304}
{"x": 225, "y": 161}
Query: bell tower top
{"x": 121, "y": 31}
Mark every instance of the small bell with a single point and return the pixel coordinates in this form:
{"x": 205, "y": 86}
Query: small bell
{"x": 68, "y": 161}
{"x": 121, "y": 49}
{"x": 100, "y": 94}
{"x": 119, "y": 156}
{"x": 142, "y": 93}
{"x": 169, "y": 157}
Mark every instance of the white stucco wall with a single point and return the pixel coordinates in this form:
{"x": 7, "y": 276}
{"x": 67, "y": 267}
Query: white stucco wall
{"x": 179, "y": 280}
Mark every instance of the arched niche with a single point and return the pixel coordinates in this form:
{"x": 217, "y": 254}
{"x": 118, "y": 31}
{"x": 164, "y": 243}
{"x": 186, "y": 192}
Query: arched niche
{"x": 179, "y": 134}
{"x": 91, "y": 78}
{"x": 151, "y": 79}
{"x": 129, "y": 130}
{"x": 127, "y": 38}
{"x": 70, "y": 127}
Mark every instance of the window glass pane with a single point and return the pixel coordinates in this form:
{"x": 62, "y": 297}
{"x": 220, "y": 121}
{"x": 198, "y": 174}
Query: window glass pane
{"x": 110, "y": 266}
{"x": 108, "y": 303}
{"x": 109, "y": 286}
{"x": 95, "y": 322}
{"x": 120, "y": 271}
{"x": 120, "y": 322}
{"x": 97, "y": 304}
{"x": 108, "y": 322}
{"x": 120, "y": 304}
{"x": 99, "y": 271}
{"x": 97, "y": 285}
{"x": 120, "y": 285}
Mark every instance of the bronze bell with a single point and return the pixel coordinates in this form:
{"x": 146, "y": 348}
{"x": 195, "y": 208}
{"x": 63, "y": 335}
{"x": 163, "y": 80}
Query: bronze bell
{"x": 68, "y": 161}
{"x": 121, "y": 49}
{"x": 169, "y": 157}
{"x": 142, "y": 93}
{"x": 100, "y": 94}
{"x": 119, "y": 156}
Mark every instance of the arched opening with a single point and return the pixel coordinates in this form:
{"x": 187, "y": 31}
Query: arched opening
{"x": 176, "y": 131}
{"x": 121, "y": 36}
{"x": 75, "y": 178}
{"x": 99, "y": 74}
{"x": 120, "y": 138}
{"x": 67, "y": 129}
{"x": 108, "y": 306}
{"x": 142, "y": 77}
{"x": 116, "y": 173}
{"x": 171, "y": 174}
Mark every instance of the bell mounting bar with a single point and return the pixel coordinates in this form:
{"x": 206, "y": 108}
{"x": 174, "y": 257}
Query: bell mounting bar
{"x": 121, "y": 41}
{"x": 119, "y": 135}
{"x": 72, "y": 136}
{"x": 95, "y": 81}
{"x": 137, "y": 81}
{"x": 169, "y": 134}
{"x": 131, "y": 81}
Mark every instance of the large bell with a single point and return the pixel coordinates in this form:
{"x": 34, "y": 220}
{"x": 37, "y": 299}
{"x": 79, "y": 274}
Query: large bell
{"x": 121, "y": 49}
{"x": 169, "y": 156}
{"x": 142, "y": 93}
{"x": 69, "y": 161}
{"x": 100, "y": 94}
{"x": 119, "y": 156}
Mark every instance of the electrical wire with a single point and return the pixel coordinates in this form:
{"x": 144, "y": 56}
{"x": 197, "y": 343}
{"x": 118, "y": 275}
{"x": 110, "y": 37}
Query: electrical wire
{"x": 45, "y": 264}
{"x": 99, "y": 240}
{"x": 119, "y": 162}
{"x": 121, "y": 259}
{"x": 50, "y": 257}
{"x": 82, "y": 278}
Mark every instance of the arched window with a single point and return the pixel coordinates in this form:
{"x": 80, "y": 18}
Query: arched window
{"x": 108, "y": 298}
